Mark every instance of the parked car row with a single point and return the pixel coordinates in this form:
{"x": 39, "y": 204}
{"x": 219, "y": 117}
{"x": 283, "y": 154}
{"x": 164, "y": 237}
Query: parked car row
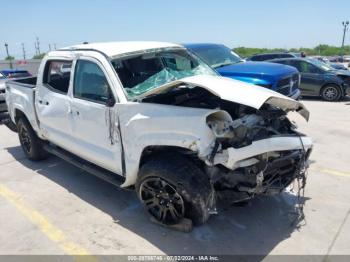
{"x": 282, "y": 79}
{"x": 319, "y": 78}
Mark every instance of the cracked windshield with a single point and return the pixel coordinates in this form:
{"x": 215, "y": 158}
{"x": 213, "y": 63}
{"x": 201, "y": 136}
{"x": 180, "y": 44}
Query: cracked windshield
{"x": 142, "y": 73}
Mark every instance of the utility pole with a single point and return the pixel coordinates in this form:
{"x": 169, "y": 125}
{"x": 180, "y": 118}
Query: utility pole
{"x": 24, "y": 52}
{"x": 38, "y": 45}
{"x": 345, "y": 28}
{"x": 54, "y": 46}
{"x": 49, "y": 47}
{"x": 8, "y": 55}
{"x": 36, "y": 49}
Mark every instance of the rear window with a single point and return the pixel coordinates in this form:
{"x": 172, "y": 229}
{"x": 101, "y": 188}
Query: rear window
{"x": 57, "y": 75}
{"x": 263, "y": 57}
{"x": 285, "y": 56}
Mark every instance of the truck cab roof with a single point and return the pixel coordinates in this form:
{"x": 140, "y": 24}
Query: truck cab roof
{"x": 113, "y": 49}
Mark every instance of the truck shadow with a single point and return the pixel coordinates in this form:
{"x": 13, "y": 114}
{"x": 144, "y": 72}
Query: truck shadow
{"x": 253, "y": 229}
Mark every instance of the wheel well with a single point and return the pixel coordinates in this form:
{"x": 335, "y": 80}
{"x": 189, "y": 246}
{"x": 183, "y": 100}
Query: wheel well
{"x": 152, "y": 151}
{"x": 19, "y": 114}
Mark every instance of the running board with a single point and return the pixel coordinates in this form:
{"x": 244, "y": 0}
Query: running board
{"x": 97, "y": 171}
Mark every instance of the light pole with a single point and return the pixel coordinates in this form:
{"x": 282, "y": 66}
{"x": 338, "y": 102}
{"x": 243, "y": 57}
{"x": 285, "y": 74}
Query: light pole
{"x": 8, "y": 55}
{"x": 345, "y": 28}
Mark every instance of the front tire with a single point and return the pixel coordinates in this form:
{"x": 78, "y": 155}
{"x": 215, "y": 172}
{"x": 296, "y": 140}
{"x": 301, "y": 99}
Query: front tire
{"x": 331, "y": 93}
{"x": 171, "y": 187}
{"x": 31, "y": 144}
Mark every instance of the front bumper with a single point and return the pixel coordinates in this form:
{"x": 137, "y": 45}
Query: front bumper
{"x": 265, "y": 167}
{"x": 233, "y": 158}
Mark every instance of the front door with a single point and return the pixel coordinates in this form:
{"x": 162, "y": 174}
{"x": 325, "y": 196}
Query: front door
{"x": 93, "y": 119}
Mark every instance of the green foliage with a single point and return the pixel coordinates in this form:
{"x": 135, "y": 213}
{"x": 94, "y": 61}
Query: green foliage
{"x": 39, "y": 56}
{"x": 9, "y": 58}
{"x": 323, "y": 50}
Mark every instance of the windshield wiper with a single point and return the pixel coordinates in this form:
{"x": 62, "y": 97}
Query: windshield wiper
{"x": 226, "y": 64}
{"x": 223, "y": 64}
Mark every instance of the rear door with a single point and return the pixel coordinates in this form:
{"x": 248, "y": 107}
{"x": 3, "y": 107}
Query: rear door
{"x": 93, "y": 119}
{"x": 52, "y": 102}
{"x": 311, "y": 77}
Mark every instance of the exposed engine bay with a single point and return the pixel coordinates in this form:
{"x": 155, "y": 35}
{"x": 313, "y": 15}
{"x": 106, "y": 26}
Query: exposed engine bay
{"x": 241, "y": 165}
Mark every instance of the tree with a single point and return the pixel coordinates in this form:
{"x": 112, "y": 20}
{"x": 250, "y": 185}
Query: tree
{"x": 39, "y": 56}
{"x": 9, "y": 58}
{"x": 323, "y": 50}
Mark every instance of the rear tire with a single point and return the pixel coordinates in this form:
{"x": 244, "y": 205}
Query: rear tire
{"x": 31, "y": 144}
{"x": 171, "y": 181}
{"x": 331, "y": 93}
{"x": 12, "y": 126}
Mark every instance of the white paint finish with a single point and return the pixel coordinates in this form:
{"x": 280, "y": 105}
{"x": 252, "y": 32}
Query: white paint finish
{"x": 21, "y": 98}
{"x": 112, "y": 49}
{"x": 233, "y": 155}
{"x": 235, "y": 91}
{"x": 54, "y": 117}
{"x": 90, "y": 126}
{"x": 90, "y": 131}
{"x": 146, "y": 124}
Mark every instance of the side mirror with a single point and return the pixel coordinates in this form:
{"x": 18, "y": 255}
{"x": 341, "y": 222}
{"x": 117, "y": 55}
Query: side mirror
{"x": 110, "y": 101}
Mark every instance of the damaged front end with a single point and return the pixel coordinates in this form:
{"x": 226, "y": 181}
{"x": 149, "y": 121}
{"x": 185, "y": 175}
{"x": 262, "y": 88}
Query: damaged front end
{"x": 256, "y": 149}
{"x": 259, "y": 153}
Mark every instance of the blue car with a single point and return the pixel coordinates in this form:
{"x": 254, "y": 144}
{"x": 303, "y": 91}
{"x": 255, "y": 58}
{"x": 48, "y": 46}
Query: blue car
{"x": 282, "y": 79}
{"x": 15, "y": 73}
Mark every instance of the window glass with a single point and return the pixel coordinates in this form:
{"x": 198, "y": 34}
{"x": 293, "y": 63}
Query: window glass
{"x": 285, "y": 55}
{"x": 284, "y": 62}
{"x": 257, "y": 58}
{"x": 56, "y": 78}
{"x": 217, "y": 56}
{"x": 305, "y": 67}
{"x": 142, "y": 73}
{"x": 90, "y": 82}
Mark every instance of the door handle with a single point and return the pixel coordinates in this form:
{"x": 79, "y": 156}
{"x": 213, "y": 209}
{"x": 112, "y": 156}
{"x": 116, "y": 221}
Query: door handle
{"x": 42, "y": 102}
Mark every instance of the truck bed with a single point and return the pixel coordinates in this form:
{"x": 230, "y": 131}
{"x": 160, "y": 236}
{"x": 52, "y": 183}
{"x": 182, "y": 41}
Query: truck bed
{"x": 28, "y": 82}
{"x": 20, "y": 95}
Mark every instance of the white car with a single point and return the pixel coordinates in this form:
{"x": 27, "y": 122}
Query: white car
{"x": 150, "y": 116}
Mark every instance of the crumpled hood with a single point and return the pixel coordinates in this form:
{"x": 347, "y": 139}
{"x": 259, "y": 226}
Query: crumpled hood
{"x": 235, "y": 91}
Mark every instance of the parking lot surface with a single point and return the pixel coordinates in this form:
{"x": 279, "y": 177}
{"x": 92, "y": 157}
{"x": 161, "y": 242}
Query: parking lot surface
{"x": 52, "y": 207}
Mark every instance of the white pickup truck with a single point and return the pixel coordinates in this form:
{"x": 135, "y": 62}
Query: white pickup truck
{"x": 152, "y": 117}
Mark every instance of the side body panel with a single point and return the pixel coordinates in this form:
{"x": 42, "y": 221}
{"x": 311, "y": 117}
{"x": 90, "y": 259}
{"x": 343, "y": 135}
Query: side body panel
{"x": 145, "y": 125}
{"x": 20, "y": 97}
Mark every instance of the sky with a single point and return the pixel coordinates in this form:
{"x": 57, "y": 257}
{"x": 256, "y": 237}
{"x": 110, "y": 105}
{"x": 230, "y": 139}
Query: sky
{"x": 252, "y": 23}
